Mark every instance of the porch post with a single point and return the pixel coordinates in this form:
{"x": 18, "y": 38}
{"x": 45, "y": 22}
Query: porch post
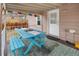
{"x": 0, "y": 26}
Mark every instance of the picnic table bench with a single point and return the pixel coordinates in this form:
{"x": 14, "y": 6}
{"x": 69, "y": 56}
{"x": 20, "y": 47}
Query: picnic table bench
{"x": 16, "y": 46}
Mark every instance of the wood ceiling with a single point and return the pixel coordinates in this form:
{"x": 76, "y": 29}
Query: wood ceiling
{"x": 32, "y": 7}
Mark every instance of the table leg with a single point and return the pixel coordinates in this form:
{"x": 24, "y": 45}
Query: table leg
{"x": 20, "y": 52}
{"x": 14, "y": 53}
{"x": 36, "y": 43}
{"x": 28, "y": 49}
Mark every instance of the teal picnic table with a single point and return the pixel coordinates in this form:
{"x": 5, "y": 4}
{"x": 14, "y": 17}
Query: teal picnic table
{"x": 33, "y": 38}
{"x": 16, "y": 46}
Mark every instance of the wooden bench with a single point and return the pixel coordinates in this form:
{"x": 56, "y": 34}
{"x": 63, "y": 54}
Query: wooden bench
{"x": 16, "y": 46}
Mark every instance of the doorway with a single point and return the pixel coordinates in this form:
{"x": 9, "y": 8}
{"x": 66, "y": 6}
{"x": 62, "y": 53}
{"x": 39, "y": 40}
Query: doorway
{"x": 53, "y": 22}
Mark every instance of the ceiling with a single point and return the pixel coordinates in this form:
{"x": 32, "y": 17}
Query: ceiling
{"x": 32, "y": 7}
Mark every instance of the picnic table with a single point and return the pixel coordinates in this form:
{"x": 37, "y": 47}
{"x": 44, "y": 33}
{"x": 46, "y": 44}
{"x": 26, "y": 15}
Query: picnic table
{"x": 35, "y": 38}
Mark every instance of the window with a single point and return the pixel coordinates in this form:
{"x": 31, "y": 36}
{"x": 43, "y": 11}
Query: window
{"x": 38, "y": 22}
{"x": 53, "y": 18}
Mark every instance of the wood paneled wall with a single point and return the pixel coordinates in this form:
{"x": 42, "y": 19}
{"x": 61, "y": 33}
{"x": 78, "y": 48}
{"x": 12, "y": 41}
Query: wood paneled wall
{"x": 44, "y": 22}
{"x": 69, "y": 19}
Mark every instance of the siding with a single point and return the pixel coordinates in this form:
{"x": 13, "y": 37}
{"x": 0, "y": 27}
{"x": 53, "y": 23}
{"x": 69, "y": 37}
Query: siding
{"x": 69, "y": 19}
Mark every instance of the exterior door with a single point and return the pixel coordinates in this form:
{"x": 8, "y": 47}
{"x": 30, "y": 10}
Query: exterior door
{"x": 53, "y": 17}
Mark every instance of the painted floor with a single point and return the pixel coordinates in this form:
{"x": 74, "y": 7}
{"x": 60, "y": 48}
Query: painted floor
{"x": 53, "y": 48}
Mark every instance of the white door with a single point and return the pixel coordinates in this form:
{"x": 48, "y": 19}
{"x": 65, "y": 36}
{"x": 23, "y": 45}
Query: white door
{"x": 53, "y": 17}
